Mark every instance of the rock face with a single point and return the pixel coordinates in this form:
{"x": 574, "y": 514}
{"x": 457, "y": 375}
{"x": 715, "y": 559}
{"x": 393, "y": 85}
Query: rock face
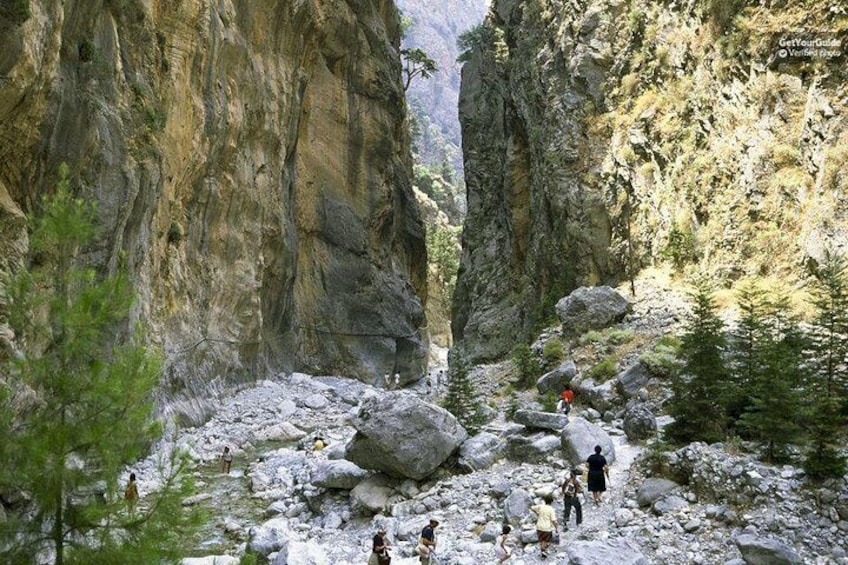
{"x": 603, "y": 136}
{"x": 590, "y": 308}
{"x": 251, "y": 167}
{"x": 403, "y": 436}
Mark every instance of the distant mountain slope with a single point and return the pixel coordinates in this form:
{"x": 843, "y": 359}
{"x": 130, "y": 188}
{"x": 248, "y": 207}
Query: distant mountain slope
{"x": 436, "y": 25}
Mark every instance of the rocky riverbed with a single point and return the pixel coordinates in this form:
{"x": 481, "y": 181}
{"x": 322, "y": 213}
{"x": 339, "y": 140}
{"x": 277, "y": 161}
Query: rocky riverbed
{"x": 271, "y": 502}
{"x": 698, "y": 504}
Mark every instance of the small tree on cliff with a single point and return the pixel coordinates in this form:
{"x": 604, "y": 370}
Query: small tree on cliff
{"x": 416, "y": 62}
{"x": 78, "y": 408}
{"x": 462, "y": 399}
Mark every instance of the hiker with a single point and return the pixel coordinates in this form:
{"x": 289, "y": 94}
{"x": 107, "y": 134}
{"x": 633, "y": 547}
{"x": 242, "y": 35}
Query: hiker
{"x": 571, "y": 491}
{"x": 379, "y": 549}
{"x": 226, "y": 460}
{"x": 388, "y": 381}
{"x": 566, "y": 399}
{"x": 598, "y": 473}
{"x": 397, "y": 381}
{"x": 131, "y": 494}
{"x": 427, "y": 542}
{"x": 502, "y": 550}
{"x": 546, "y": 524}
{"x": 319, "y": 444}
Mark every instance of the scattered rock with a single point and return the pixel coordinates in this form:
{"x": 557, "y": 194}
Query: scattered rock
{"x": 541, "y": 420}
{"x": 591, "y": 308}
{"x": 555, "y": 381}
{"x": 480, "y": 451}
{"x": 757, "y": 550}
{"x": 639, "y": 422}
{"x": 338, "y": 474}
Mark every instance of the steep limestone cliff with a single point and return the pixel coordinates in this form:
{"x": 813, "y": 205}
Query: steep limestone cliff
{"x": 602, "y": 136}
{"x": 250, "y": 164}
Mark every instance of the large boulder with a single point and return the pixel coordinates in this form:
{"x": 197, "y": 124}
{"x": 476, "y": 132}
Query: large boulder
{"x": 757, "y": 550}
{"x": 653, "y": 489}
{"x": 599, "y": 396}
{"x": 372, "y": 495}
{"x": 402, "y": 436}
{"x": 620, "y": 552}
{"x": 591, "y": 308}
{"x": 634, "y": 379}
{"x": 536, "y": 420}
{"x": 337, "y": 473}
{"x": 639, "y": 422}
{"x": 480, "y": 451}
{"x": 555, "y": 381}
{"x": 517, "y": 506}
{"x": 579, "y": 438}
{"x": 271, "y": 536}
{"x": 533, "y": 448}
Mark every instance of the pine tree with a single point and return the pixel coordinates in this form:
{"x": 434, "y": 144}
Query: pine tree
{"x": 746, "y": 358}
{"x": 774, "y": 360}
{"x": 825, "y": 390}
{"x": 697, "y": 392}
{"x": 462, "y": 400}
{"x": 79, "y": 408}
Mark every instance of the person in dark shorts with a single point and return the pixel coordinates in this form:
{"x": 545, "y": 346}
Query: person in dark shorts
{"x": 546, "y": 524}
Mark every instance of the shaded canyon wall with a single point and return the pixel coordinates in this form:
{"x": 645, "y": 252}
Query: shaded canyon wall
{"x": 250, "y": 164}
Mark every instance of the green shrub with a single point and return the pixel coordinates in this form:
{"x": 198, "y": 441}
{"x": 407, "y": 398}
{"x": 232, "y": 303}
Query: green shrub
{"x": 619, "y": 336}
{"x": 824, "y": 464}
{"x": 661, "y": 361}
{"x": 16, "y": 11}
{"x": 528, "y": 367}
{"x": 604, "y": 370}
{"x": 549, "y": 401}
{"x": 592, "y": 336}
{"x": 680, "y": 248}
{"x": 512, "y": 406}
{"x": 552, "y": 352}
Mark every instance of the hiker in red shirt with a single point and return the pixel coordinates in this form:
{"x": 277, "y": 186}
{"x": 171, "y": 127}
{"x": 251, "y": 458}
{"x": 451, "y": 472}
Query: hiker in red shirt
{"x": 566, "y": 399}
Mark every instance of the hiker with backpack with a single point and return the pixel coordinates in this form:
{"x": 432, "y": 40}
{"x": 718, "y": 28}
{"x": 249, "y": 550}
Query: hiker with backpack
{"x": 380, "y": 549}
{"x": 571, "y": 491}
{"x": 427, "y": 543}
{"x": 566, "y": 399}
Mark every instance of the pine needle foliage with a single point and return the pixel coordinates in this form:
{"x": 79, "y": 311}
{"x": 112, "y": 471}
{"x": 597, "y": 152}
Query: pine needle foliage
{"x": 696, "y": 403}
{"x": 462, "y": 399}
{"x": 78, "y": 408}
{"x": 771, "y": 351}
{"x": 826, "y": 397}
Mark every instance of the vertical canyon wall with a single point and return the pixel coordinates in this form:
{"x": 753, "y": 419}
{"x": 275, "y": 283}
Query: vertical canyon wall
{"x": 250, "y": 165}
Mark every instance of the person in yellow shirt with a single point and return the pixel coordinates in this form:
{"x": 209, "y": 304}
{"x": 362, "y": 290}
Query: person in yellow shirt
{"x": 319, "y": 444}
{"x": 546, "y": 524}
